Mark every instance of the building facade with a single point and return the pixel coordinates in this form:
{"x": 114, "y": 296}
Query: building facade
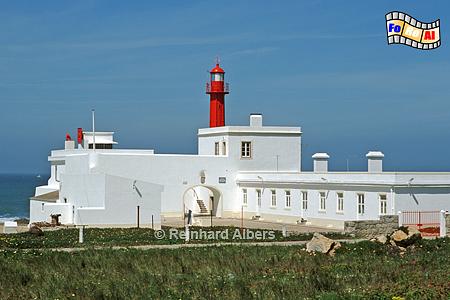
{"x": 253, "y": 170}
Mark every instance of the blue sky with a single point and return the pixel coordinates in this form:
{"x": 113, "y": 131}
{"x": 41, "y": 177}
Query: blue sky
{"x": 321, "y": 65}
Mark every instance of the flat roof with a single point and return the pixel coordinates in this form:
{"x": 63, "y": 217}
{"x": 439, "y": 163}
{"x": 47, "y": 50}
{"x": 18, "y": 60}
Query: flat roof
{"x": 246, "y": 130}
{"x": 48, "y": 197}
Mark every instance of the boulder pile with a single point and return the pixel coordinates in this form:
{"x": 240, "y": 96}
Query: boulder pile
{"x": 401, "y": 238}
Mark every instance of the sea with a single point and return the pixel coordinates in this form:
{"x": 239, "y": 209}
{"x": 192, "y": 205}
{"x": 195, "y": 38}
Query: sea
{"x": 15, "y": 192}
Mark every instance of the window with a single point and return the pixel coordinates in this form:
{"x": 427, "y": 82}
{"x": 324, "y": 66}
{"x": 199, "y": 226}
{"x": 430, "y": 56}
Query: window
{"x": 224, "y": 148}
{"x": 246, "y": 149}
{"x": 361, "y": 204}
{"x": 56, "y": 173}
{"x": 322, "y": 200}
{"x": 244, "y": 196}
{"x": 202, "y": 177}
{"x": 258, "y": 197}
{"x": 216, "y": 77}
{"x": 100, "y": 146}
{"x": 274, "y": 198}
{"x": 216, "y": 148}
{"x": 340, "y": 202}
{"x": 383, "y": 204}
{"x": 305, "y": 200}
{"x": 288, "y": 198}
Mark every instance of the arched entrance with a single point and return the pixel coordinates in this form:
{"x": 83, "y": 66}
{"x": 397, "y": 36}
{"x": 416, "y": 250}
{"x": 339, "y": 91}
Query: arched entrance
{"x": 201, "y": 199}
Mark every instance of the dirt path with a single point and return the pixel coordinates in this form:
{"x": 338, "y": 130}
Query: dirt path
{"x": 194, "y": 245}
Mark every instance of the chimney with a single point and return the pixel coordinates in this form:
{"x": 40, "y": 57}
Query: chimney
{"x": 80, "y": 138}
{"x": 375, "y": 161}
{"x": 69, "y": 145}
{"x": 256, "y": 120}
{"x": 320, "y": 162}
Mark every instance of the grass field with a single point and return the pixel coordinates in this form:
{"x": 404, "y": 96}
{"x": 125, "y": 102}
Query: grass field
{"x": 364, "y": 270}
{"x": 124, "y": 237}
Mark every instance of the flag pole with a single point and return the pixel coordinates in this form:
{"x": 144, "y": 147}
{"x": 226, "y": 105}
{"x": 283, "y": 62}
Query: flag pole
{"x": 93, "y": 129}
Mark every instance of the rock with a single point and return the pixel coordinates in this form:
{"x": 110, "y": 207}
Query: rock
{"x": 336, "y": 245}
{"x": 412, "y": 230}
{"x": 320, "y": 243}
{"x": 404, "y": 240}
{"x": 382, "y": 239}
{"x": 398, "y": 236}
{"x": 36, "y": 230}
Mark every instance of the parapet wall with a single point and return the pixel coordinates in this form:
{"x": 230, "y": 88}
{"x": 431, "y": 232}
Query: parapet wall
{"x": 371, "y": 229}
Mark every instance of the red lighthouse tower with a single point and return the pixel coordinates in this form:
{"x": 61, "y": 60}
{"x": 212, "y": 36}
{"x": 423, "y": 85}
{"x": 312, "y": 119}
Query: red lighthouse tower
{"x": 217, "y": 89}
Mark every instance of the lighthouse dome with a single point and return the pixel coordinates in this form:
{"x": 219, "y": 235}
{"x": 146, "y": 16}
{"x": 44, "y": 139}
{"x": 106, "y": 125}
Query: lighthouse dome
{"x": 217, "y": 69}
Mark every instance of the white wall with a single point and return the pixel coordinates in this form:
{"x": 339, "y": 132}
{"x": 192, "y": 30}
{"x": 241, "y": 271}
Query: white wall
{"x": 350, "y": 211}
{"x": 177, "y": 173}
{"x": 120, "y": 204}
{"x": 422, "y": 199}
{"x": 40, "y": 211}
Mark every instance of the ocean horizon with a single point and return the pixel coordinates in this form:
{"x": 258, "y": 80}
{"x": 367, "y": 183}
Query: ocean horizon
{"x": 15, "y": 191}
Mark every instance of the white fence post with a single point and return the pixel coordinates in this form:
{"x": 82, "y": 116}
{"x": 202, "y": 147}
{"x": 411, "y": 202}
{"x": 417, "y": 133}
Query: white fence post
{"x": 442, "y": 225}
{"x": 81, "y": 235}
{"x": 186, "y": 232}
{"x": 400, "y": 219}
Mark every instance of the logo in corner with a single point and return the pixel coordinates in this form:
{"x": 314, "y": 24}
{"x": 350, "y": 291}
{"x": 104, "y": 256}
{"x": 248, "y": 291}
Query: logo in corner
{"x": 403, "y": 29}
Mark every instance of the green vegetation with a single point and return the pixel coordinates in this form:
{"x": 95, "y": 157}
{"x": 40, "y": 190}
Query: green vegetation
{"x": 123, "y": 237}
{"x": 364, "y": 270}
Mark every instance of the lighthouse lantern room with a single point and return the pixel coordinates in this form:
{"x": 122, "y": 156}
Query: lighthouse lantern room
{"x": 217, "y": 89}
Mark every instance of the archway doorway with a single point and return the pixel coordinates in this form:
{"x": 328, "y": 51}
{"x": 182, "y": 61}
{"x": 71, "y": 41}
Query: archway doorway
{"x": 202, "y": 200}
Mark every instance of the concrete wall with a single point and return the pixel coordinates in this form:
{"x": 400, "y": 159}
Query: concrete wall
{"x": 120, "y": 204}
{"x": 102, "y": 200}
{"x": 313, "y": 212}
{"x": 177, "y": 173}
{"x": 271, "y": 148}
{"x": 83, "y": 190}
{"x": 41, "y": 211}
{"x": 268, "y": 153}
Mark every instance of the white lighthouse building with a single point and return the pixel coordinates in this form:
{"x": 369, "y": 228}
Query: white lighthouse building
{"x": 254, "y": 169}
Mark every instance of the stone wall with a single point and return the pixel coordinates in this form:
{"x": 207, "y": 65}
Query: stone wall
{"x": 371, "y": 229}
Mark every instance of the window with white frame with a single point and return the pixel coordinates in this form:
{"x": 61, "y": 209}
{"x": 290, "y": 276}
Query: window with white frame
{"x": 340, "y": 202}
{"x": 244, "y": 196}
{"x": 224, "y": 148}
{"x": 258, "y": 197}
{"x": 361, "y": 206}
{"x": 288, "y": 198}
{"x": 323, "y": 201}
{"x": 216, "y": 148}
{"x": 246, "y": 149}
{"x": 274, "y": 198}
{"x": 383, "y": 204}
{"x": 305, "y": 200}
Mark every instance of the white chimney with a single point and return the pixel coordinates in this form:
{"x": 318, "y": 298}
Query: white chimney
{"x": 375, "y": 161}
{"x": 69, "y": 145}
{"x": 256, "y": 120}
{"x": 320, "y": 162}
